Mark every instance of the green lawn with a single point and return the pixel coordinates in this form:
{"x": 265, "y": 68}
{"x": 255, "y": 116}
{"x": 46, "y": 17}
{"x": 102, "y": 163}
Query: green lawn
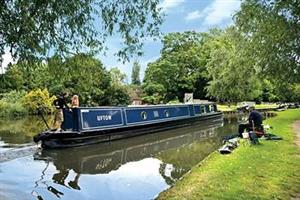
{"x": 224, "y": 108}
{"x": 270, "y": 170}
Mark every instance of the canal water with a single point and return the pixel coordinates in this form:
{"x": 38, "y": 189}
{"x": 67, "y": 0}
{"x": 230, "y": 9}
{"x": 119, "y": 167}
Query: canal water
{"x": 135, "y": 168}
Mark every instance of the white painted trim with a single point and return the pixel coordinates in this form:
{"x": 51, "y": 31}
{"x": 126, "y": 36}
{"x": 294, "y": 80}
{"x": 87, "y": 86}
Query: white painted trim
{"x": 115, "y": 125}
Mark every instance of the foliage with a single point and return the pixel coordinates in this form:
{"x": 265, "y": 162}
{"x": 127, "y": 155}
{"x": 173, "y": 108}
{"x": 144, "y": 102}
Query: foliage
{"x": 81, "y": 74}
{"x": 266, "y": 171}
{"x": 84, "y": 75}
{"x": 12, "y": 80}
{"x": 272, "y": 30}
{"x": 13, "y": 96}
{"x": 118, "y": 92}
{"x": 118, "y": 95}
{"x": 117, "y": 77}
{"x": 268, "y": 91}
{"x": 135, "y": 75}
{"x": 153, "y": 93}
{"x": 25, "y": 75}
{"x": 12, "y": 109}
{"x": 38, "y": 99}
{"x": 288, "y": 92}
{"x": 33, "y": 28}
{"x": 180, "y": 69}
{"x": 174, "y": 101}
{"x": 11, "y": 104}
{"x": 233, "y": 75}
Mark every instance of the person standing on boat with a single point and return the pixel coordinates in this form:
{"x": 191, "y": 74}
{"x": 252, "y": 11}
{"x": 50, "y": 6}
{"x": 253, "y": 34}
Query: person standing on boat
{"x": 60, "y": 104}
{"x": 75, "y": 101}
{"x": 254, "y": 122}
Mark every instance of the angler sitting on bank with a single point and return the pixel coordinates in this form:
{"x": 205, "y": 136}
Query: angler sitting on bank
{"x": 254, "y": 123}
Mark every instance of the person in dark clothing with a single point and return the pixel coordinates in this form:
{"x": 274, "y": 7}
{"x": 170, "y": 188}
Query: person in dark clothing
{"x": 60, "y": 101}
{"x": 60, "y": 104}
{"x": 254, "y": 122}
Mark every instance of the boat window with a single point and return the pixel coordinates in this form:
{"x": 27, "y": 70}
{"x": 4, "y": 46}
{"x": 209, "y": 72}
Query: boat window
{"x": 144, "y": 115}
{"x": 155, "y": 113}
{"x": 167, "y": 114}
{"x": 211, "y": 108}
{"x": 207, "y": 107}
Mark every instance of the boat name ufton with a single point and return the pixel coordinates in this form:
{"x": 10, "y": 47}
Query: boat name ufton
{"x": 104, "y": 117}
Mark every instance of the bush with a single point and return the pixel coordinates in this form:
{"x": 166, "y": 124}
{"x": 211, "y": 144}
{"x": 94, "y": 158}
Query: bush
{"x": 13, "y": 96}
{"x": 11, "y": 104}
{"x": 174, "y": 101}
{"x": 8, "y": 109}
{"x": 37, "y": 99}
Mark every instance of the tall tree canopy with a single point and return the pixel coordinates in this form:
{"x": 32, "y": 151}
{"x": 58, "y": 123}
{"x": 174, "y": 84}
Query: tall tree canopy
{"x": 33, "y": 28}
{"x": 232, "y": 73}
{"x": 81, "y": 74}
{"x": 135, "y": 75}
{"x": 272, "y": 27}
{"x": 180, "y": 69}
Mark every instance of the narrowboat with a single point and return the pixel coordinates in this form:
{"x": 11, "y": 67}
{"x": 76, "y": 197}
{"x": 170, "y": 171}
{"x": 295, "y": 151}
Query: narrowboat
{"x": 84, "y": 126}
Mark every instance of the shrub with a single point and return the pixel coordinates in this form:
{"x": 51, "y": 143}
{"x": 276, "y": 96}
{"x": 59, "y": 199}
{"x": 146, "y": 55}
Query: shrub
{"x": 10, "y": 104}
{"x": 174, "y": 101}
{"x": 37, "y": 99}
{"x": 13, "y": 96}
{"x": 8, "y": 109}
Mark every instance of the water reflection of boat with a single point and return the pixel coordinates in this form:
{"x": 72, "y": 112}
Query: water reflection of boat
{"x": 85, "y": 126}
{"x": 105, "y": 157}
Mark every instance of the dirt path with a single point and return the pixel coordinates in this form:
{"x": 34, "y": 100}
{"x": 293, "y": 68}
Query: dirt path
{"x": 296, "y": 127}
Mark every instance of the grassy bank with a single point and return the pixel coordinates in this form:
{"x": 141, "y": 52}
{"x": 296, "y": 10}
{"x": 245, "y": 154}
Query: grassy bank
{"x": 226, "y": 108}
{"x": 270, "y": 170}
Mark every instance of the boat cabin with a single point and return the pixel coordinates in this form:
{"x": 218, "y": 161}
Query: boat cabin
{"x": 85, "y": 119}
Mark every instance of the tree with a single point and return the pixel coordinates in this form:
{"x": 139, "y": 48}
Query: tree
{"x": 233, "y": 75}
{"x": 117, "y": 77}
{"x": 86, "y": 76}
{"x": 180, "y": 69}
{"x": 135, "y": 76}
{"x": 272, "y": 29}
{"x": 13, "y": 79}
{"x": 33, "y": 28}
{"x": 118, "y": 92}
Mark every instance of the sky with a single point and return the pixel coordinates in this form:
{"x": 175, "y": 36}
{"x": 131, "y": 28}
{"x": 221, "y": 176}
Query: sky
{"x": 181, "y": 15}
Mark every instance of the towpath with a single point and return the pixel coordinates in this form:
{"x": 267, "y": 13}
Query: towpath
{"x": 296, "y": 127}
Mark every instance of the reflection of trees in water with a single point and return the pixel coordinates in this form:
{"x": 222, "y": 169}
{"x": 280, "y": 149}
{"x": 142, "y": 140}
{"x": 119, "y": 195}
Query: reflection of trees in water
{"x": 19, "y": 131}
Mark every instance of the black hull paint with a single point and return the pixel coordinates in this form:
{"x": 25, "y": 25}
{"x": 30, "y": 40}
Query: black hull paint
{"x": 65, "y": 139}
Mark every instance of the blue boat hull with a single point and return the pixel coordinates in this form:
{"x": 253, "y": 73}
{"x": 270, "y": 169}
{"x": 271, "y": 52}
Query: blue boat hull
{"x": 72, "y": 138}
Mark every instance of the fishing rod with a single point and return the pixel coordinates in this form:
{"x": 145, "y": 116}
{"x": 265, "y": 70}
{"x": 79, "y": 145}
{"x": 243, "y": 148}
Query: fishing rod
{"x": 40, "y": 112}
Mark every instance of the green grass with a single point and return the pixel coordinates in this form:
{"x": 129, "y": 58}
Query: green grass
{"x": 270, "y": 170}
{"x": 264, "y": 106}
{"x": 226, "y": 108}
